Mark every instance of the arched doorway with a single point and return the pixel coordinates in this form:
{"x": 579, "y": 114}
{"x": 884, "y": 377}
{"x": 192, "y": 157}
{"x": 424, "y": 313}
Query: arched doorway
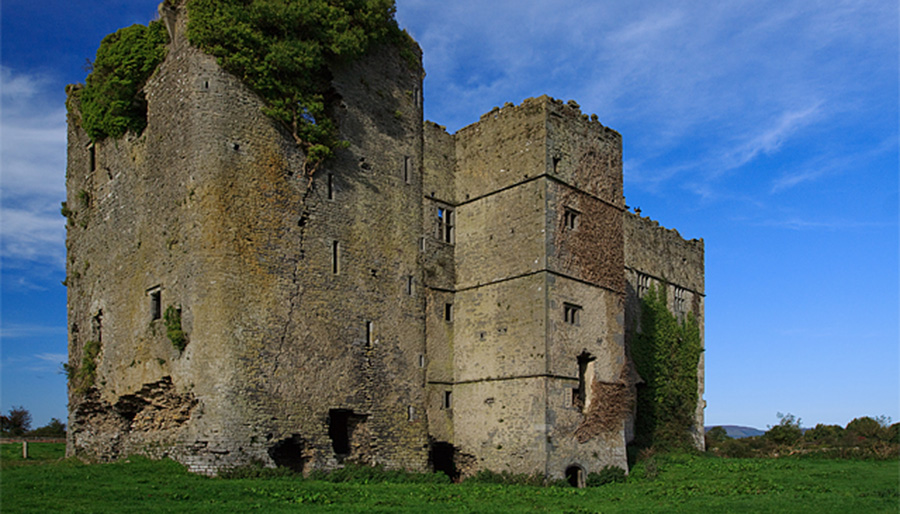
{"x": 575, "y": 476}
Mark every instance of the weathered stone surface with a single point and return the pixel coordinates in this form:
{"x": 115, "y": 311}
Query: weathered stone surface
{"x": 427, "y": 300}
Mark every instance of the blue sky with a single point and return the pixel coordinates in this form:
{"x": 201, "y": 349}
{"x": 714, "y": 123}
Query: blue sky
{"x": 768, "y": 128}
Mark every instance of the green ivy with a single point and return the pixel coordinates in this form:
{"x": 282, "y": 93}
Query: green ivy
{"x": 172, "y": 319}
{"x": 112, "y": 100}
{"x": 86, "y": 374}
{"x": 282, "y": 50}
{"x": 666, "y": 353}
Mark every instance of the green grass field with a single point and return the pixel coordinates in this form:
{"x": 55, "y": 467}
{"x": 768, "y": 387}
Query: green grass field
{"x": 683, "y": 483}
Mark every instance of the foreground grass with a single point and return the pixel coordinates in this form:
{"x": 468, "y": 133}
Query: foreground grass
{"x": 683, "y": 483}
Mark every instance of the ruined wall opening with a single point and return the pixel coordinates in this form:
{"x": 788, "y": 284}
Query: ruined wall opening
{"x": 342, "y": 424}
{"x": 442, "y": 457}
{"x": 585, "y": 370}
{"x": 288, "y": 453}
{"x": 575, "y": 476}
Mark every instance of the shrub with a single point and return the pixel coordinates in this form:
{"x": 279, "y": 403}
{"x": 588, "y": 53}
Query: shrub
{"x": 256, "y": 470}
{"x": 486, "y": 476}
{"x": 112, "y": 101}
{"x": 607, "y": 475}
{"x": 865, "y": 427}
{"x": 352, "y": 472}
{"x": 824, "y": 435}
{"x": 715, "y": 436}
{"x": 787, "y": 432}
{"x": 282, "y": 51}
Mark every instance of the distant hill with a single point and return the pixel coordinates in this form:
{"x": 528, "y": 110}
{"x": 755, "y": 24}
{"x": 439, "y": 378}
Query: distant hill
{"x": 737, "y": 432}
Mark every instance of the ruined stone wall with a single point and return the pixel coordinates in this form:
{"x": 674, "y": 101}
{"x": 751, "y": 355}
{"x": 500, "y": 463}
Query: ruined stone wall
{"x": 655, "y": 255}
{"x": 210, "y": 207}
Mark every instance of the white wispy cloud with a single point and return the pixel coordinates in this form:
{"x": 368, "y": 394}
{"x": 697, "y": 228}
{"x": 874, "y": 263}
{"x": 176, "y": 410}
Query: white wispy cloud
{"x": 32, "y": 169}
{"x": 697, "y": 89}
{"x": 19, "y": 331}
{"x": 831, "y": 164}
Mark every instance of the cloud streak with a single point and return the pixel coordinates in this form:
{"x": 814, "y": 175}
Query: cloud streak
{"x": 33, "y": 161}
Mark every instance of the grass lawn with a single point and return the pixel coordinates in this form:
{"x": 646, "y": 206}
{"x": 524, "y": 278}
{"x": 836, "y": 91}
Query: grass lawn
{"x": 683, "y": 483}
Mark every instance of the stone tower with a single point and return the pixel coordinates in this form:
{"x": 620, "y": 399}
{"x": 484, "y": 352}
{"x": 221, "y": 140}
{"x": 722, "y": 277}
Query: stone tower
{"x": 428, "y": 301}
{"x": 526, "y": 289}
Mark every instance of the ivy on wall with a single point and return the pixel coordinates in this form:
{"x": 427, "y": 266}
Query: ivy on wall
{"x": 112, "y": 100}
{"x": 282, "y": 50}
{"x": 174, "y": 331}
{"x": 84, "y": 375}
{"x": 666, "y": 353}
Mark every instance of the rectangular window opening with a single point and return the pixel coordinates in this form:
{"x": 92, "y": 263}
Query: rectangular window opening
{"x": 370, "y": 332}
{"x": 335, "y": 257}
{"x": 410, "y": 413}
{"x": 445, "y": 224}
{"x": 407, "y": 171}
{"x": 155, "y": 303}
{"x": 679, "y": 300}
{"x": 570, "y": 219}
{"x": 643, "y": 284}
{"x": 448, "y": 312}
{"x": 409, "y": 285}
{"x": 571, "y": 313}
{"x": 330, "y": 186}
{"x": 421, "y": 361}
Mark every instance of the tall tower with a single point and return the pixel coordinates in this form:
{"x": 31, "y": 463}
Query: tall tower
{"x": 303, "y": 326}
{"x": 526, "y": 321}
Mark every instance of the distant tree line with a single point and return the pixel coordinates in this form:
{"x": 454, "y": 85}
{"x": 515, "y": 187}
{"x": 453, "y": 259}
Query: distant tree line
{"x": 865, "y": 437}
{"x": 17, "y": 423}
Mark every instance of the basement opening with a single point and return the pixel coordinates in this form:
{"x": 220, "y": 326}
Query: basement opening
{"x": 288, "y": 453}
{"x": 341, "y": 425}
{"x": 442, "y": 456}
{"x": 575, "y": 476}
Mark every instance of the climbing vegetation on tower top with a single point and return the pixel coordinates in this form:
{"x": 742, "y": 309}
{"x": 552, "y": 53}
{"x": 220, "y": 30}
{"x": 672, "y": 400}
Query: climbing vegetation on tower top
{"x": 282, "y": 50}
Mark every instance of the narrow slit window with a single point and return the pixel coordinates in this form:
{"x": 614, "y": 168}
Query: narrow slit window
{"x": 409, "y": 285}
{"x": 448, "y": 400}
{"x": 370, "y": 332}
{"x": 330, "y": 186}
{"x": 155, "y": 303}
{"x": 570, "y": 219}
{"x": 448, "y": 312}
{"x": 410, "y": 413}
{"x": 92, "y": 157}
{"x": 335, "y": 257}
{"x": 421, "y": 361}
{"x": 407, "y": 172}
{"x": 572, "y": 313}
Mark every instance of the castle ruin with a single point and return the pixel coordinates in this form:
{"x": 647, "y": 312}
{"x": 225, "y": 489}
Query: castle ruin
{"x": 451, "y": 302}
